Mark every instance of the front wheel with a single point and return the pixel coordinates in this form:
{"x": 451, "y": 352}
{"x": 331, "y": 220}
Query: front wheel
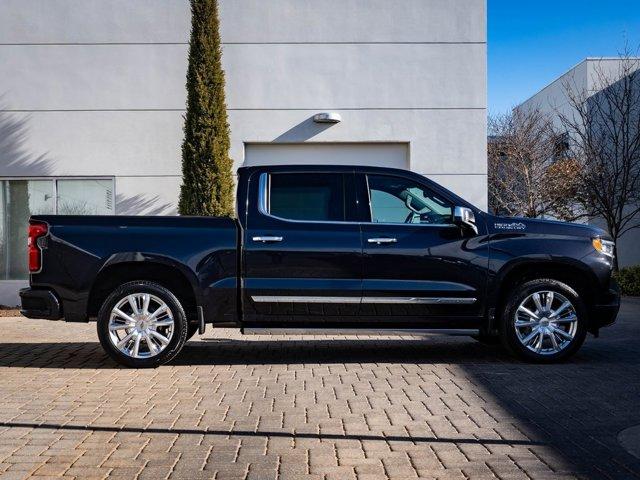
{"x": 543, "y": 321}
{"x": 142, "y": 324}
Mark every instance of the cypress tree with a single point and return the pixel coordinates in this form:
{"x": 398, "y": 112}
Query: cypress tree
{"x": 207, "y": 179}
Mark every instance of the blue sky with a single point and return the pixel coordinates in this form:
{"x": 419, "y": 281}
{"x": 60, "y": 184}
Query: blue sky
{"x": 532, "y": 42}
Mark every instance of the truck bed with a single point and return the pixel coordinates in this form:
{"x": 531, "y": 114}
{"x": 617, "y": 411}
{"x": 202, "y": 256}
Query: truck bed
{"x": 81, "y": 251}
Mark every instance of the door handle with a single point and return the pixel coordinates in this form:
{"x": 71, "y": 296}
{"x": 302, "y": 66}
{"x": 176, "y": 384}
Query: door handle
{"x": 382, "y": 240}
{"x": 267, "y": 239}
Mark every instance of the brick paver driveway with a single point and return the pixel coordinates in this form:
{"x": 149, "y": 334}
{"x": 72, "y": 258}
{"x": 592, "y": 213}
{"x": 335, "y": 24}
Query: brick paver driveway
{"x": 262, "y": 407}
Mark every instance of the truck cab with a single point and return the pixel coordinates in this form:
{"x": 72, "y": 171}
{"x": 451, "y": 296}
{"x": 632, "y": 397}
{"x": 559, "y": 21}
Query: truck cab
{"x": 347, "y": 247}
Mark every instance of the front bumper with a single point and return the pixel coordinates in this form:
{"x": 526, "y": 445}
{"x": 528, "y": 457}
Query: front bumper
{"x": 605, "y": 311}
{"x": 40, "y": 303}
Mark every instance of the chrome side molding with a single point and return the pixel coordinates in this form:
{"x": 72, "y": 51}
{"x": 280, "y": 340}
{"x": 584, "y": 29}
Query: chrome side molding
{"x": 421, "y": 300}
{"x": 302, "y": 299}
{"x": 362, "y": 331}
{"x": 394, "y": 300}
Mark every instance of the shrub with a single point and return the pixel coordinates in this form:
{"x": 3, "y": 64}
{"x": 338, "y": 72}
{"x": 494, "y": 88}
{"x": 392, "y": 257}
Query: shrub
{"x": 629, "y": 280}
{"x": 207, "y": 179}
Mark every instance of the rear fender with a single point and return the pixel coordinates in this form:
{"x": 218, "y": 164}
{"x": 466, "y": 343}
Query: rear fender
{"x": 153, "y": 258}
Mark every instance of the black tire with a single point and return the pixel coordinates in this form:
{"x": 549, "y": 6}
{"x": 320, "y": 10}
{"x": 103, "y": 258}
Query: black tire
{"x": 509, "y": 336}
{"x": 180, "y": 327}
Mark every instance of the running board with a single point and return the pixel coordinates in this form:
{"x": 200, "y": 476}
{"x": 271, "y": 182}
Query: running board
{"x": 361, "y": 331}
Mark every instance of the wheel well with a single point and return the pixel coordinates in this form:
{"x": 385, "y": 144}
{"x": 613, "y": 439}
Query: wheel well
{"x": 167, "y": 276}
{"x": 569, "y": 274}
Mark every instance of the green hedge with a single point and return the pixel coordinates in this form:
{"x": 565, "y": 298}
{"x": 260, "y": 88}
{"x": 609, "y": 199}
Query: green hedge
{"x": 629, "y": 280}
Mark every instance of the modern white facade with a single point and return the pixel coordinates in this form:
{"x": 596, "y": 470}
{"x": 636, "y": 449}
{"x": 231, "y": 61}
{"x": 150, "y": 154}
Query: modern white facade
{"x": 553, "y": 100}
{"x": 94, "y": 90}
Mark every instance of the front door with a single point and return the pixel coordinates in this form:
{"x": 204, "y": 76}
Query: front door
{"x": 418, "y": 266}
{"x": 302, "y": 253}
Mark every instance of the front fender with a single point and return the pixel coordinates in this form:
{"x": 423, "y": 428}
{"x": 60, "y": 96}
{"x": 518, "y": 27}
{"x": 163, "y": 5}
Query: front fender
{"x": 537, "y": 265}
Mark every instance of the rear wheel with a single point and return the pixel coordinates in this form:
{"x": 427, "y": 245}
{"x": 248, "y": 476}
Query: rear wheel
{"x": 543, "y": 321}
{"x": 142, "y": 324}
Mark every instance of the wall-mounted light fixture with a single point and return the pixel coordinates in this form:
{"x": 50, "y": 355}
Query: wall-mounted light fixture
{"x": 327, "y": 117}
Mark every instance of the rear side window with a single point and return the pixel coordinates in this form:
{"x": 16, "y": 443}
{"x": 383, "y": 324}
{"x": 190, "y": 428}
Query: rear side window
{"x": 307, "y": 196}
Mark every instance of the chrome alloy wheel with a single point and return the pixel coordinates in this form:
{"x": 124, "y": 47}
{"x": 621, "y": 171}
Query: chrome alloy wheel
{"x": 141, "y": 325}
{"x": 546, "y": 322}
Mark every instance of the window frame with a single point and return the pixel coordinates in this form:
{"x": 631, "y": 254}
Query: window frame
{"x": 55, "y": 179}
{"x": 422, "y": 185}
{"x": 264, "y": 193}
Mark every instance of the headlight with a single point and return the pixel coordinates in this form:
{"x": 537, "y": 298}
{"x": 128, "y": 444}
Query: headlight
{"x": 605, "y": 247}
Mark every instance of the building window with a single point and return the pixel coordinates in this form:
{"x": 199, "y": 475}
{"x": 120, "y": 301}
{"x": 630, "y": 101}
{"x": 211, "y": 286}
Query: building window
{"x": 21, "y": 198}
{"x": 84, "y": 197}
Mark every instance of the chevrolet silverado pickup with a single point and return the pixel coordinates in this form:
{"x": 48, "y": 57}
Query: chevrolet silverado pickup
{"x": 324, "y": 248}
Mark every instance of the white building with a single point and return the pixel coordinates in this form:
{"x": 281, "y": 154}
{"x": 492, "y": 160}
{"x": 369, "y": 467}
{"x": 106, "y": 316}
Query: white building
{"x": 587, "y": 76}
{"x": 92, "y": 94}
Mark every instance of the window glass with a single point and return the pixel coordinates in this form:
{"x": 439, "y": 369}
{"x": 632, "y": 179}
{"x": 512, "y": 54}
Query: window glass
{"x": 307, "y": 196}
{"x": 18, "y": 200}
{"x": 399, "y": 200}
{"x": 85, "y": 197}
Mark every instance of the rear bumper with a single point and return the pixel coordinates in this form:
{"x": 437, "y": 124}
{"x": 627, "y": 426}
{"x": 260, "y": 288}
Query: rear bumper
{"x": 605, "y": 311}
{"x": 40, "y": 303}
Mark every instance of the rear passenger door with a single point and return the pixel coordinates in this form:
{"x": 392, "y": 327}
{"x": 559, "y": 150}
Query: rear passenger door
{"x": 302, "y": 257}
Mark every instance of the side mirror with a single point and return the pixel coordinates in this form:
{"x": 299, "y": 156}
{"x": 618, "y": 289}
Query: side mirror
{"x": 465, "y": 217}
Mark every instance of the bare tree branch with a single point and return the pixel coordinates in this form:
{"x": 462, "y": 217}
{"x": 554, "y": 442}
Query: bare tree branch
{"x": 604, "y": 129}
{"x": 529, "y": 173}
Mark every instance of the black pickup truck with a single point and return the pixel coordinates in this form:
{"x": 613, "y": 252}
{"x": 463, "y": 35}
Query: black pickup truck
{"x": 324, "y": 247}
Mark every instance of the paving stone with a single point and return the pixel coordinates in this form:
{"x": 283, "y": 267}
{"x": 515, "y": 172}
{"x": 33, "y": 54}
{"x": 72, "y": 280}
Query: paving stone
{"x": 366, "y": 408}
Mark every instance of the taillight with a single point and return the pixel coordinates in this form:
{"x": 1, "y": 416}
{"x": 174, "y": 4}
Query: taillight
{"x": 36, "y": 230}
